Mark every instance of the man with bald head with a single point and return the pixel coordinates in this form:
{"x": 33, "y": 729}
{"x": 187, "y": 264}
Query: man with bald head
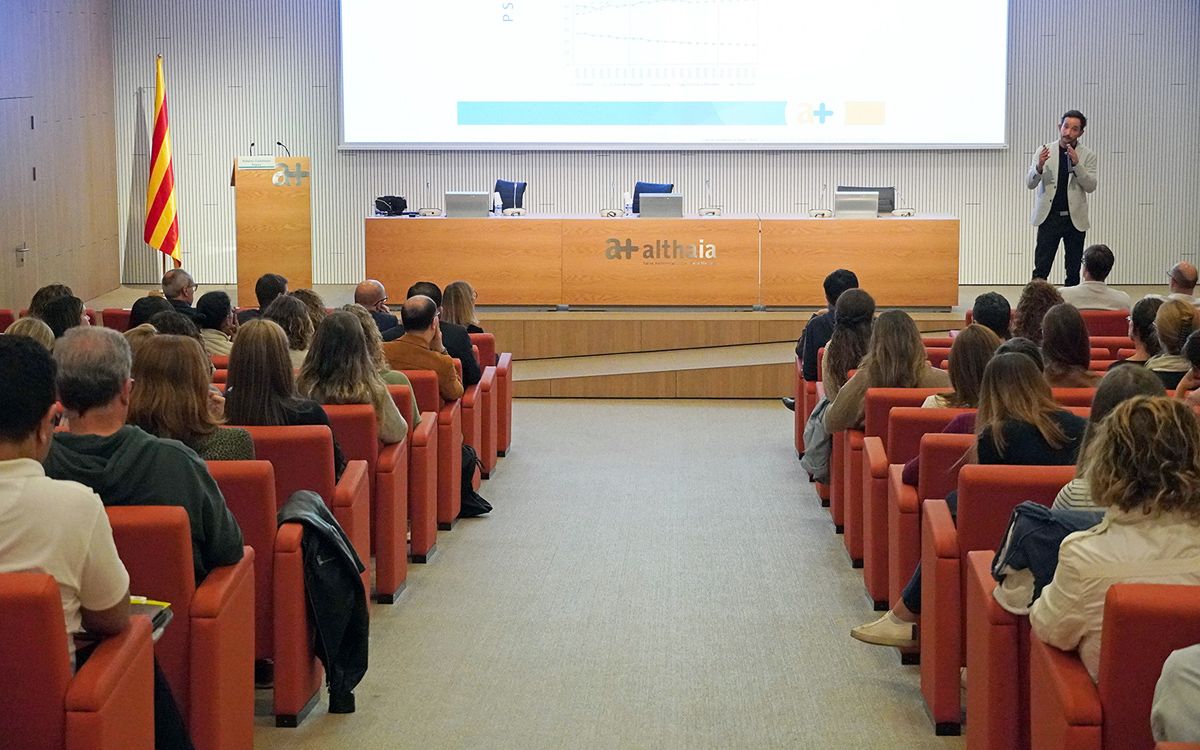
{"x": 372, "y": 295}
{"x": 1183, "y": 282}
{"x": 420, "y": 348}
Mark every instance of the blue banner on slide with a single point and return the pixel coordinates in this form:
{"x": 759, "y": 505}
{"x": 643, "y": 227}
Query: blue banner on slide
{"x": 621, "y": 113}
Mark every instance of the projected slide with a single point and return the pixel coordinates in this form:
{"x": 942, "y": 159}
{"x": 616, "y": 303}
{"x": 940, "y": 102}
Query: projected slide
{"x": 673, "y": 73}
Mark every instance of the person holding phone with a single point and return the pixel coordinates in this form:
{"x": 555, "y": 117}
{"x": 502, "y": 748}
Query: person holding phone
{"x": 1062, "y": 173}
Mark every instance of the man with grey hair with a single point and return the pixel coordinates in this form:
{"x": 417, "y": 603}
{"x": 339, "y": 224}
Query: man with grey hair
{"x": 180, "y": 290}
{"x": 122, "y": 463}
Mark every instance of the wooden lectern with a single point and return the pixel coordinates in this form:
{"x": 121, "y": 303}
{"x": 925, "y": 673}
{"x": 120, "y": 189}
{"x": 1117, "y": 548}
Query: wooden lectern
{"x": 273, "y": 206}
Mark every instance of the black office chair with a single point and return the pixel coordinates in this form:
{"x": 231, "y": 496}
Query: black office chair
{"x": 512, "y": 194}
{"x": 648, "y": 187}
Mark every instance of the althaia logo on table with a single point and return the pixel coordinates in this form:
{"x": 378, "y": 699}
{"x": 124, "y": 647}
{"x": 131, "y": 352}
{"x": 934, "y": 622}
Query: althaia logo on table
{"x": 662, "y": 252}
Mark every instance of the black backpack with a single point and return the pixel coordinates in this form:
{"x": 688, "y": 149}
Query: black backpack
{"x": 473, "y": 503}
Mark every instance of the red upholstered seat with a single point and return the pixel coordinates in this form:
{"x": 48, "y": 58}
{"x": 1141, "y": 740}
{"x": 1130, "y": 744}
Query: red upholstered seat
{"x": 449, "y": 444}
{"x": 115, "y": 318}
{"x": 1074, "y": 396}
{"x": 1113, "y": 345}
{"x": 485, "y": 352}
{"x": 986, "y": 497}
{"x": 422, "y": 476}
{"x": 104, "y": 706}
{"x": 281, "y": 629}
{"x": 357, "y": 432}
{"x": 1106, "y": 322}
{"x": 1143, "y": 624}
{"x": 207, "y": 652}
{"x": 6, "y": 319}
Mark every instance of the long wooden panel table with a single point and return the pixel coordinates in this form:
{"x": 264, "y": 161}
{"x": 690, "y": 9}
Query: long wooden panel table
{"x": 716, "y": 261}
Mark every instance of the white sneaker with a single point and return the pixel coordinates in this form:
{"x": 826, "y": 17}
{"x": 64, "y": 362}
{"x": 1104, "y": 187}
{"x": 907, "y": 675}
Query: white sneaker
{"x": 886, "y": 631}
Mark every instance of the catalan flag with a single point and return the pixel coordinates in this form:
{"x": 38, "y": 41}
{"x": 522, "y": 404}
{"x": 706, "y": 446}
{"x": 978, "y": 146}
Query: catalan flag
{"x": 162, "y": 223}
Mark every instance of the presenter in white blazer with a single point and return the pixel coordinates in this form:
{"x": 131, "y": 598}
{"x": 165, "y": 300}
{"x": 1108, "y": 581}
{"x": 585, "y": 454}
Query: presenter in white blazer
{"x": 1063, "y": 173}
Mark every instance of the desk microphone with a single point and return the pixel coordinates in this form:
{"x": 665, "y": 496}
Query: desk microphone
{"x": 252, "y": 148}
{"x": 285, "y": 148}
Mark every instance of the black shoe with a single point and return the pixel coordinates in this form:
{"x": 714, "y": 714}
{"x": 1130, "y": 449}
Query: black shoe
{"x": 789, "y": 402}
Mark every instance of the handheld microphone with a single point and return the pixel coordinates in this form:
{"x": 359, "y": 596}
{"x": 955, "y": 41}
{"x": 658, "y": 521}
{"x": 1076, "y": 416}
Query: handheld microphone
{"x": 285, "y": 148}
{"x": 252, "y": 148}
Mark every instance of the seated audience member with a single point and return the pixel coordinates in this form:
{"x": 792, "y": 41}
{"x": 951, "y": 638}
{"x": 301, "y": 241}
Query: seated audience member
{"x": 454, "y": 337}
{"x": 338, "y": 370}
{"x": 853, "y": 316}
{"x": 180, "y": 291}
{"x": 819, "y": 328}
{"x": 1182, "y": 283}
{"x": 895, "y": 359}
{"x": 171, "y": 398}
{"x": 1115, "y": 388}
{"x": 374, "y": 342}
{"x": 1066, "y": 349}
{"x": 1092, "y": 293}
{"x": 372, "y": 296}
{"x": 1144, "y": 468}
{"x": 292, "y": 317}
{"x": 64, "y": 313}
{"x": 458, "y": 306}
{"x": 266, "y": 289}
{"x": 991, "y": 310}
{"x": 313, "y": 304}
{"x": 44, "y": 296}
{"x": 261, "y": 387}
{"x": 972, "y": 350}
{"x": 1186, "y": 390}
{"x": 124, "y": 464}
{"x": 214, "y": 316}
{"x": 32, "y": 328}
{"x": 51, "y": 526}
{"x": 1141, "y": 332}
{"x": 173, "y": 323}
{"x": 1173, "y": 715}
{"x": 964, "y": 424}
{"x": 1037, "y": 298}
{"x": 145, "y": 308}
{"x": 1018, "y": 423}
{"x": 420, "y": 348}
{"x": 1173, "y": 323}
{"x": 137, "y": 338}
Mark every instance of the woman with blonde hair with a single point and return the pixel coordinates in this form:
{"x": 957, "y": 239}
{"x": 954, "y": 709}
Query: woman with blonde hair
{"x": 970, "y": 353}
{"x": 138, "y": 336}
{"x": 171, "y": 399}
{"x": 33, "y": 328}
{"x": 458, "y": 306}
{"x": 1066, "y": 349}
{"x": 313, "y": 304}
{"x": 852, "y": 318}
{"x": 1144, "y": 468}
{"x": 292, "y": 316}
{"x": 261, "y": 387}
{"x": 1018, "y": 424}
{"x": 374, "y": 342}
{"x": 1173, "y": 323}
{"x": 338, "y": 370}
{"x": 895, "y": 359}
{"x": 1037, "y": 298}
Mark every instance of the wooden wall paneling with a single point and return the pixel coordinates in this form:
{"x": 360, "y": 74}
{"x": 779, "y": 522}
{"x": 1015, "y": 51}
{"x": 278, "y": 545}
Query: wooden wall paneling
{"x": 635, "y": 385}
{"x": 532, "y": 389}
{"x": 575, "y": 338}
{"x": 755, "y": 381}
{"x": 666, "y": 334}
{"x": 274, "y": 225}
{"x": 782, "y": 330}
{"x": 509, "y": 333}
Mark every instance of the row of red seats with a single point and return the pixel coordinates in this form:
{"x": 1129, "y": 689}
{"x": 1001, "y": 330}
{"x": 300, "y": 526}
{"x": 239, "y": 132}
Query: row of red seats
{"x": 889, "y": 526}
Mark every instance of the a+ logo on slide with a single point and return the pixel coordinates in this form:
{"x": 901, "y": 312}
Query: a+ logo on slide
{"x": 821, "y": 113}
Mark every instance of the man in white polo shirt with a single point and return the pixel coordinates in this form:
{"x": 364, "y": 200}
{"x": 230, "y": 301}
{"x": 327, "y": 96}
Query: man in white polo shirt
{"x": 1092, "y": 293}
{"x": 48, "y": 525}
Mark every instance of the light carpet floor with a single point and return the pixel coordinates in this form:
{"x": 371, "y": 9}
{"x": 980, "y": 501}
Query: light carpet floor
{"x": 656, "y": 574}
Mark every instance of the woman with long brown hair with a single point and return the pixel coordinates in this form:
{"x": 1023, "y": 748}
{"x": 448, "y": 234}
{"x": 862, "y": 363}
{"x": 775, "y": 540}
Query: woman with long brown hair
{"x": 1037, "y": 298}
{"x": 458, "y": 306}
{"x": 895, "y": 359}
{"x": 1066, "y": 349}
{"x": 970, "y": 353}
{"x": 171, "y": 398}
{"x": 338, "y": 370}
{"x": 261, "y": 388}
{"x": 852, "y": 318}
{"x": 292, "y": 316}
{"x": 374, "y": 342}
{"x": 1018, "y": 423}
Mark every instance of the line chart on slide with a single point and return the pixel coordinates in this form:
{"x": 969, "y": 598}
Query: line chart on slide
{"x": 643, "y": 41}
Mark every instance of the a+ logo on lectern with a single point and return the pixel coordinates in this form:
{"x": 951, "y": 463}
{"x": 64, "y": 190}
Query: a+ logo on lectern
{"x": 821, "y": 113}
{"x": 289, "y": 177}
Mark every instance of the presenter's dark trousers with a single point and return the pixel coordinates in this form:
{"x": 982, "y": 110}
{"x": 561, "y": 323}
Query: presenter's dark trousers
{"x": 1050, "y": 232}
